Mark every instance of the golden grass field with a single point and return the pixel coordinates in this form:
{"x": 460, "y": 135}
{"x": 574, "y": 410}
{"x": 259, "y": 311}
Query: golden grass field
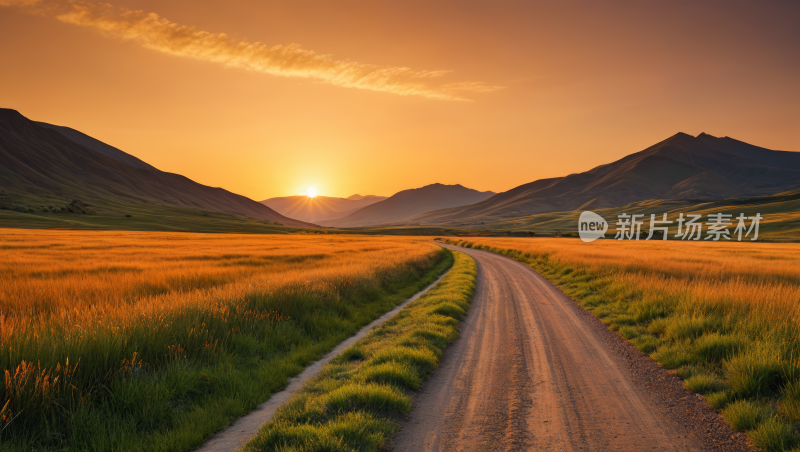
{"x": 758, "y": 280}
{"x": 77, "y": 280}
{"x": 725, "y": 316}
{"x": 82, "y": 311}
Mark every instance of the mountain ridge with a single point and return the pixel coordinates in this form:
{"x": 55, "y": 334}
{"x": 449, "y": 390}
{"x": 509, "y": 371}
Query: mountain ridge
{"x": 681, "y": 166}
{"x": 406, "y": 203}
{"x": 319, "y": 208}
{"x": 44, "y": 165}
{"x": 358, "y": 197}
{"x": 98, "y": 146}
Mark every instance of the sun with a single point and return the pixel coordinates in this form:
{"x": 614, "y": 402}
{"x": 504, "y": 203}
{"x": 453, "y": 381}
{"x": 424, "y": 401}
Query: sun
{"x": 312, "y": 192}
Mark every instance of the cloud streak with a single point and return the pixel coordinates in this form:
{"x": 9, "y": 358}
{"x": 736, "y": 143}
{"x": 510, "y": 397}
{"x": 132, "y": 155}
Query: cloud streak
{"x": 156, "y": 33}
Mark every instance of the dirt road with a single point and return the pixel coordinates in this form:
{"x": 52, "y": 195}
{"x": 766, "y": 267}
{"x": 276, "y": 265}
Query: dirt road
{"x": 533, "y": 371}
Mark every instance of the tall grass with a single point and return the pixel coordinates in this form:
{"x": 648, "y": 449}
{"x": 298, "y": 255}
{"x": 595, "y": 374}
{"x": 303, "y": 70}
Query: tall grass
{"x": 352, "y": 405}
{"x": 725, "y": 316}
{"x": 152, "y": 341}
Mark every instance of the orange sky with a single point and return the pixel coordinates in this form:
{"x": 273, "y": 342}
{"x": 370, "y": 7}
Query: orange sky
{"x": 551, "y": 88}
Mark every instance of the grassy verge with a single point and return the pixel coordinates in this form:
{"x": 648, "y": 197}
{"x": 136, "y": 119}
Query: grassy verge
{"x": 352, "y": 404}
{"x": 740, "y": 355}
{"x": 166, "y": 384}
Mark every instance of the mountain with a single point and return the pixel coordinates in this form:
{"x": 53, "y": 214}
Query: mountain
{"x": 359, "y": 197}
{"x": 681, "y": 167}
{"x": 403, "y": 205}
{"x": 98, "y": 146}
{"x": 43, "y": 164}
{"x": 320, "y": 207}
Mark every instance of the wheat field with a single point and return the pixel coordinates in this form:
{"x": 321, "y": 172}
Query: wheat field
{"x": 760, "y": 281}
{"x": 81, "y": 312}
{"x": 78, "y": 280}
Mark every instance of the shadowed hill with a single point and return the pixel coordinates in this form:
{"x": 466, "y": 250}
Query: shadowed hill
{"x": 51, "y": 165}
{"x": 780, "y": 212}
{"x": 405, "y": 204}
{"x": 320, "y": 207}
{"x": 357, "y": 197}
{"x": 98, "y": 146}
{"x": 681, "y": 167}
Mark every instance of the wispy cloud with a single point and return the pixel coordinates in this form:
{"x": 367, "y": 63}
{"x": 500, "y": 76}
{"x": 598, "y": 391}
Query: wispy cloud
{"x": 154, "y": 32}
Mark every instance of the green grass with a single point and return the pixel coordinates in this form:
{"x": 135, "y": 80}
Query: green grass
{"x": 352, "y": 405}
{"x": 773, "y": 435}
{"x": 175, "y": 404}
{"x": 748, "y": 372}
{"x": 758, "y": 372}
{"x": 144, "y": 217}
{"x": 718, "y": 400}
{"x": 703, "y": 383}
{"x": 744, "y": 414}
{"x": 95, "y": 211}
{"x": 156, "y": 217}
{"x": 790, "y": 401}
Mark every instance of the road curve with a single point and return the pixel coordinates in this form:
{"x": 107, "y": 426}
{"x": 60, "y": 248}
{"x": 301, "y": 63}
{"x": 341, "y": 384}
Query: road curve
{"x": 532, "y": 372}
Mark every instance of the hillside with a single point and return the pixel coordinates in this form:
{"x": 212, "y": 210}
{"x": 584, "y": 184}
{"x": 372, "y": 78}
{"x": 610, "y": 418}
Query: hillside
{"x": 403, "y": 205}
{"x": 780, "y": 212}
{"x": 357, "y": 197}
{"x": 60, "y": 170}
{"x": 319, "y": 208}
{"x": 681, "y": 167}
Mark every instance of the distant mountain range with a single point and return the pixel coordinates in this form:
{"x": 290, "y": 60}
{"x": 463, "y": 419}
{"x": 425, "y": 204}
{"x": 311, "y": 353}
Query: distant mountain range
{"x": 358, "y": 197}
{"x": 43, "y": 164}
{"x": 58, "y": 169}
{"x": 404, "y": 205}
{"x": 681, "y": 167}
{"x": 319, "y": 208}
